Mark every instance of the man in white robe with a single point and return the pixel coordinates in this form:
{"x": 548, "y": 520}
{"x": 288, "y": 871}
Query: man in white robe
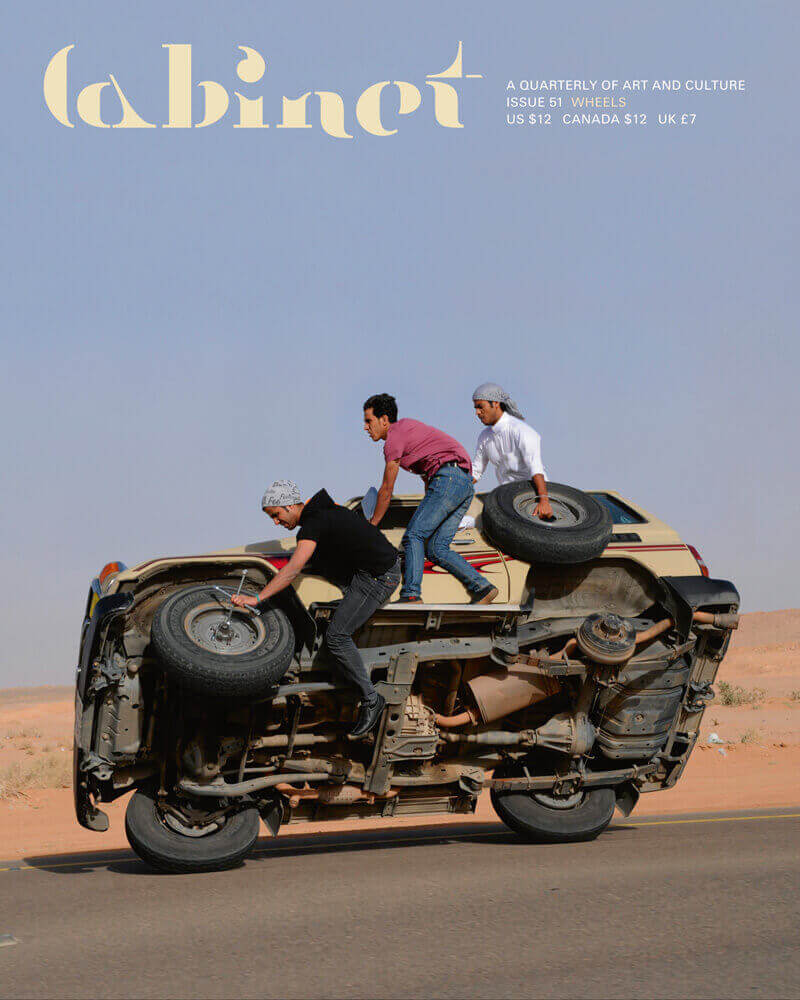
{"x": 509, "y": 444}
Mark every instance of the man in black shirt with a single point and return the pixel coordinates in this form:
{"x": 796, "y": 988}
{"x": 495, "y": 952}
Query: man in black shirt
{"x": 353, "y": 554}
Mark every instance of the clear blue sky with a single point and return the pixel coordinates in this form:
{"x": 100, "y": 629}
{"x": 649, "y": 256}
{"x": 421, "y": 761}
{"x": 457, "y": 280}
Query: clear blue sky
{"x": 190, "y": 314}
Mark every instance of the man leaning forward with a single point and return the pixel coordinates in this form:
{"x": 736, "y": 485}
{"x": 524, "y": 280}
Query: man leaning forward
{"x": 447, "y": 473}
{"x": 351, "y": 553}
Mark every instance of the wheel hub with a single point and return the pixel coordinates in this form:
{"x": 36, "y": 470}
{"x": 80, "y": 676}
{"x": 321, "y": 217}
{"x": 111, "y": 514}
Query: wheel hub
{"x": 607, "y": 638}
{"x": 208, "y": 626}
{"x": 186, "y": 825}
{"x": 223, "y": 632}
{"x": 564, "y": 514}
{"x": 553, "y": 801}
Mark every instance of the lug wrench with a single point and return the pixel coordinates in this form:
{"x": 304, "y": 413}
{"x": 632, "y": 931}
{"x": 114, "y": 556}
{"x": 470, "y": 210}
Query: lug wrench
{"x": 227, "y": 595}
{"x": 224, "y": 624}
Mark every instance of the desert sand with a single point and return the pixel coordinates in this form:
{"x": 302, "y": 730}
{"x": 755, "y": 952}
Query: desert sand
{"x": 756, "y": 764}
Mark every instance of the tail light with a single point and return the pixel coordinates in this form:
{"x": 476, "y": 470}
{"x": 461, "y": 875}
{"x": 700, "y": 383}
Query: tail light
{"x": 108, "y": 573}
{"x": 698, "y": 559}
{"x": 115, "y": 567}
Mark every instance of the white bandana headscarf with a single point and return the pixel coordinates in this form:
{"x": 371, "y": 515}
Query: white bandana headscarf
{"x": 493, "y": 393}
{"x": 282, "y": 493}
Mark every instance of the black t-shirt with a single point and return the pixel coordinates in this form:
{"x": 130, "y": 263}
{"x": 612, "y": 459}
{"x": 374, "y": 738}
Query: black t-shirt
{"x": 346, "y": 541}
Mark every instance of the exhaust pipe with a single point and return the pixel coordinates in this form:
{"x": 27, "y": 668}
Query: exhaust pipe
{"x": 500, "y": 693}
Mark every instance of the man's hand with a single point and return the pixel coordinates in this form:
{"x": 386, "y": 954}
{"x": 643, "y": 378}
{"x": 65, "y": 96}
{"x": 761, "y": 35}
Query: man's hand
{"x": 244, "y": 600}
{"x": 302, "y": 553}
{"x": 385, "y": 492}
{"x": 542, "y": 508}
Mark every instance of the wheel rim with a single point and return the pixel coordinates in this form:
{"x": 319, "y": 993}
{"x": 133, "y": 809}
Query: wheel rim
{"x": 189, "y": 825}
{"x": 565, "y": 514}
{"x": 208, "y": 627}
{"x": 559, "y": 801}
{"x": 548, "y": 798}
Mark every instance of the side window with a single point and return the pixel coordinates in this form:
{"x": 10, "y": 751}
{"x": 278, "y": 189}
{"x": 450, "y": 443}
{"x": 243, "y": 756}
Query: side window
{"x": 620, "y": 512}
{"x": 397, "y": 516}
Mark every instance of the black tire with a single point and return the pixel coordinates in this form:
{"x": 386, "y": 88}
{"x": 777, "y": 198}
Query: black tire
{"x": 534, "y": 820}
{"x": 580, "y": 531}
{"x": 247, "y": 669}
{"x": 167, "y": 850}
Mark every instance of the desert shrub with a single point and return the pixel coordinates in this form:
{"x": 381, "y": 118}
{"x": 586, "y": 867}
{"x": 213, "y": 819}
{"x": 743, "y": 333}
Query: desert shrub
{"x": 750, "y": 736}
{"x": 735, "y": 694}
{"x": 22, "y": 733}
{"x": 51, "y": 770}
{"x": 795, "y": 695}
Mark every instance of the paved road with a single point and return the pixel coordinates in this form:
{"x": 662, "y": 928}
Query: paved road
{"x": 700, "y": 907}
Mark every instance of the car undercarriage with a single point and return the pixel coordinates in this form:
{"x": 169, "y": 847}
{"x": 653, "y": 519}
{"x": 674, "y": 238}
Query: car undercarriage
{"x": 565, "y": 706}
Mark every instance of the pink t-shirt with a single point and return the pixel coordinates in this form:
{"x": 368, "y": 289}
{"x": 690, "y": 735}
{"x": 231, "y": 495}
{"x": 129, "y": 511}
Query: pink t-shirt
{"x": 422, "y": 449}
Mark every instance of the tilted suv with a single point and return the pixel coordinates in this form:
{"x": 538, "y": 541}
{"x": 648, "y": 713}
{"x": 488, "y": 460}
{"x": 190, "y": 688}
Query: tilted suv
{"x": 580, "y": 687}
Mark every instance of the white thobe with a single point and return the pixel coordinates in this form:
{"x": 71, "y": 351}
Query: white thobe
{"x": 513, "y": 448}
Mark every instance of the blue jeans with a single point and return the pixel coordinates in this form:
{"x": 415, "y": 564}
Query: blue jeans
{"x": 432, "y": 529}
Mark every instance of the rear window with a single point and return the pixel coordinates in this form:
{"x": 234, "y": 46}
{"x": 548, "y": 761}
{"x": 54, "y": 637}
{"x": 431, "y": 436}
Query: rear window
{"x": 620, "y": 512}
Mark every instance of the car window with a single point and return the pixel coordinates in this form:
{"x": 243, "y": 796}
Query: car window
{"x": 620, "y": 512}
{"x": 397, "y": 516}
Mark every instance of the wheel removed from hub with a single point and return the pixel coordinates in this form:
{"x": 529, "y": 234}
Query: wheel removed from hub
{"x": 607, "y": 638}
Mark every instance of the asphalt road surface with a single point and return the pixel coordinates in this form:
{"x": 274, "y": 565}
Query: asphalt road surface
{"x": 674, "y": 907}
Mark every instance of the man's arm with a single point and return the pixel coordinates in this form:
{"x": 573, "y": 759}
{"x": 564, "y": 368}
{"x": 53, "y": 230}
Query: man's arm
{"x": 479, "y": 462}
{"x": 542, "y": 508}
{"x": 530, "y": 446}
{"x": 282, "y": 579}
{"x": 385, "y": 492}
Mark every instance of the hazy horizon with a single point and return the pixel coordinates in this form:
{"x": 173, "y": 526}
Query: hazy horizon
{"x": 191, "y": 314}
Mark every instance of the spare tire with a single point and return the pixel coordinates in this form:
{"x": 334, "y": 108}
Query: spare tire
{"x": 579, "y": 531}
{"x": 243, "y": 660}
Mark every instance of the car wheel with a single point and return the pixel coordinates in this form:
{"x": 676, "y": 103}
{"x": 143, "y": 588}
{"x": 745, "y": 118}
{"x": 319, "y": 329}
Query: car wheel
{"x": 200, "y": 649}
{"x": 169, "y": 840}
{"x": 543, "y": 818}
{"x": 579, "y": 531}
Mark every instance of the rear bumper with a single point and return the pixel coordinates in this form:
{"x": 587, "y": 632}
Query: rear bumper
{"x": 687, "y": 594}
{"x": 683, "y": 595}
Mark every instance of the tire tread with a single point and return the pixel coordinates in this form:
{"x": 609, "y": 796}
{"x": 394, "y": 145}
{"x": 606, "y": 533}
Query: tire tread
{"x": 168, "y": 851}
{"x": 204, "y": 672}
{"x": 536, "y": 542}
{"x": 539, "y": 823}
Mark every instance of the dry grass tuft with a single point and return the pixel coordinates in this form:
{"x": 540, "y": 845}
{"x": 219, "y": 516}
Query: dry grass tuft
{"x": 750, "y": 736}
{"x": 795, "y": 695}
{"x": 50, "y": 770}
{"x": 22, "y": 733}
{"x": 735, "y": 694}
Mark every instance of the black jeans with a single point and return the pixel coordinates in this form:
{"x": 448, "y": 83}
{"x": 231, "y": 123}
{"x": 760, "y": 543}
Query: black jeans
{"x": 362, "y": 598}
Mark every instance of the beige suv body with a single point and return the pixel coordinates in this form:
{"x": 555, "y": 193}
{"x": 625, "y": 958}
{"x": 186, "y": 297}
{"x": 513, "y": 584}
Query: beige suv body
{"x": 593, "y": 726}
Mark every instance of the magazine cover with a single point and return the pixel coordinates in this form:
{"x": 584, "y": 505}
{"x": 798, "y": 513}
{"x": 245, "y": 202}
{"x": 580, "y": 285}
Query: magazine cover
{"x": 401, "y": 507}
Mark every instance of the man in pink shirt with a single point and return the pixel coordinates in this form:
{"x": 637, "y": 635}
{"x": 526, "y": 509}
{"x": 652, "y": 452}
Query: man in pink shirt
{"x": 446, "y": 469}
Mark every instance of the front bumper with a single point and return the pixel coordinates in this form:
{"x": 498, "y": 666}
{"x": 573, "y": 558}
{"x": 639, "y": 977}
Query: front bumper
{"x": 92, "y": 635}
